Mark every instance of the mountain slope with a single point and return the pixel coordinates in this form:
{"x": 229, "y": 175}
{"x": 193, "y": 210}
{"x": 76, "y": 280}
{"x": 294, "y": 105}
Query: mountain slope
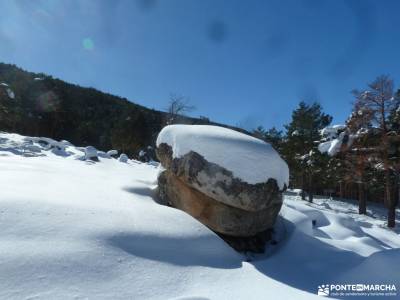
{"x": 44, "y": 106}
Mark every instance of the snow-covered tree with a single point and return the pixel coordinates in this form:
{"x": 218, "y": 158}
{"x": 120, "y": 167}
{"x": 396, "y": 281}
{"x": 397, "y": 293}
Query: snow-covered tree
{"x": 350, "y": 145}
{"x": 367, "y": 141}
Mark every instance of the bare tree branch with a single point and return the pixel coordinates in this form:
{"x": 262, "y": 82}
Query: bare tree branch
{"x": 178, "y": 105}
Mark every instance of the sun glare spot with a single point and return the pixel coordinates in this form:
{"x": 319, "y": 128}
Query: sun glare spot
{"x": 88, "y": 44}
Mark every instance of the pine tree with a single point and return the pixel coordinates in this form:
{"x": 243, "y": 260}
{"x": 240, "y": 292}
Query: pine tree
{"x": 379, "y": 101}
{"x": 368, "y": 143}
{"x": 272, "y": 136}
{"x": 259, "y": 132}
{"x": 300, "y": 147}
{"x": 275, "y": 138}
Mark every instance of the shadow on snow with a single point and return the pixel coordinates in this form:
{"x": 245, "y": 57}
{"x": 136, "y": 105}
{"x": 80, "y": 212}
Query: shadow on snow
{"x": 206, "y": 251}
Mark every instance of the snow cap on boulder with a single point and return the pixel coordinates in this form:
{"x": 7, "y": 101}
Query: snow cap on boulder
{"x": 91, "y": 153}
{"x": 112, "y": 153}
{"x": 249, "y": 159}
{"x": 123, "y": 158}
{"x": 333, "y": 139}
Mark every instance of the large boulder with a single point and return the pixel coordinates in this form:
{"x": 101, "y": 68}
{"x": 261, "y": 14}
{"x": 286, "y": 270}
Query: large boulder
{"x": 216, "y": 215}
{"x": 229, "y": 181}
{"x": 218, "y": 182}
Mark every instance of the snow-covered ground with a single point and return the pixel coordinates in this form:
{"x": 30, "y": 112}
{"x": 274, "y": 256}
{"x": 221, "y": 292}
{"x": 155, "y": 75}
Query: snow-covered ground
{"x": 76, "y": 229}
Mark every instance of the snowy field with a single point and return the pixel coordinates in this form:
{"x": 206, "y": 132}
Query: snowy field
{"x": 78, "y": 229}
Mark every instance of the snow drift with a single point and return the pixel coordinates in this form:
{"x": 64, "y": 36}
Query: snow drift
{"x": 77, "y": 229}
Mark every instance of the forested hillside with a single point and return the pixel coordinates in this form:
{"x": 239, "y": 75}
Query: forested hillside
{"x": 39, "y": 105}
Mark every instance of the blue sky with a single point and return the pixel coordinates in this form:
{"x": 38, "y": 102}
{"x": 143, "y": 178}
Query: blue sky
{"x": 244, "y": 63}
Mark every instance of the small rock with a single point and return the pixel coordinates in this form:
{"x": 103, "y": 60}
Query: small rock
{"x": 112, "y": 153}
{"x": 91, "y": 153}
{"x": 123, "y": 158}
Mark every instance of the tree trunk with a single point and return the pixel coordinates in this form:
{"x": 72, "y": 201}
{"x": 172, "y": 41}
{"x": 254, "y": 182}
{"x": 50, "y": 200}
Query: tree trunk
{"x": 311, "y": 190}
{"x": 387, "y": 188}
{"x": 341, "y": 189}
{"x": 389, "y": 201}
{"x": 362, "y": 203}
{"x": 392, "y": 201}
{"x": 303, "y": 187}
{"x": 392, "y": 216}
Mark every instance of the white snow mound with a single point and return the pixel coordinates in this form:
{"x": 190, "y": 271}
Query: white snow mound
{"x": 71, "y": 229}
{"x": 9, "y": 91}
{"x": 249, "y": 159}
{"x": 331, "y": 147}
{"x": 333, "y": 137}
{"x": 123, "y": 158}
{"x": 90, "y": 152}
{"x": 112, "y": 152}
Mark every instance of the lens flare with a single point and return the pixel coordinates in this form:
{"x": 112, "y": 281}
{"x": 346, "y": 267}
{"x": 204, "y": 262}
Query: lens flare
{"x": 48, "y": 102}
{"x": 88, "y": 44}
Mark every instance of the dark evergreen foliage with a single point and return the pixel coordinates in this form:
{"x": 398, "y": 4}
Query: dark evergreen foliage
{"x": 44, "y": 106}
